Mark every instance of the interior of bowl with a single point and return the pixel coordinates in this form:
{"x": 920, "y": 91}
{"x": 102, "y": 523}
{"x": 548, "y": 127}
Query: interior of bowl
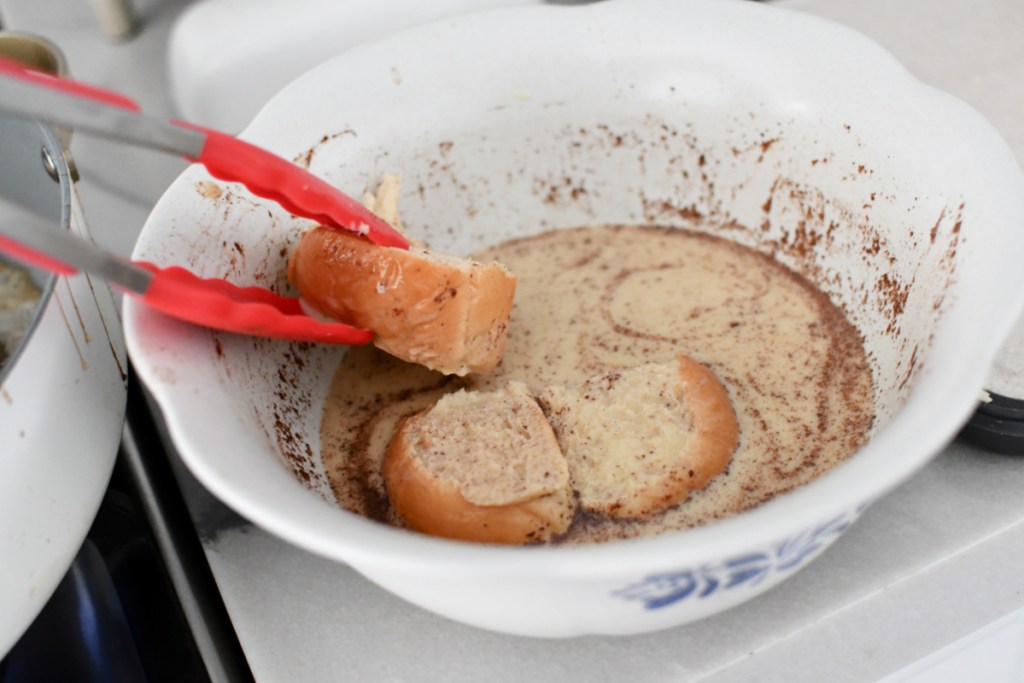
{"x": 902, "y": 209}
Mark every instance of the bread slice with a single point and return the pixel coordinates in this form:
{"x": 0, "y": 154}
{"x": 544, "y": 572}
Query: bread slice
{"x": 447, "y": 313}
{"x": 638, "y": 441}
{"x": 480, "y": 466}
{"x": 384, "y": 201}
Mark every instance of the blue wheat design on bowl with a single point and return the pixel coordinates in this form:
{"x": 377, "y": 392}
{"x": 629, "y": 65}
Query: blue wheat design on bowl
{"x": 660, "y": 590}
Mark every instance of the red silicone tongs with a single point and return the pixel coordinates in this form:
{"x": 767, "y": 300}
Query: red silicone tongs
{"x": 87, "y": 107}
{"x": 210, "y": 302}
{"x": 176, "y": 292}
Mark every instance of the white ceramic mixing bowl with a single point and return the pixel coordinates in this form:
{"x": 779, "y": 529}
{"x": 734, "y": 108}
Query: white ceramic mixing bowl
{"x": 785, "y": 132}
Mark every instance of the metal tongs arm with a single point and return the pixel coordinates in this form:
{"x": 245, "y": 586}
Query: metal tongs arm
{"x": 210, "y": 302}
{"x": 112, "y": 115}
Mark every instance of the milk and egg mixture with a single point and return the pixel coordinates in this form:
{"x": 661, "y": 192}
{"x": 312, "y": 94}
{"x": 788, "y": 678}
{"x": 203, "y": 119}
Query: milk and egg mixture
{"x": 596, "y": 299}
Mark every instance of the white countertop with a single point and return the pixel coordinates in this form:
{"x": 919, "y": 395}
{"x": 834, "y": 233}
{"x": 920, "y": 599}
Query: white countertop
{"x": 953, "y": 535}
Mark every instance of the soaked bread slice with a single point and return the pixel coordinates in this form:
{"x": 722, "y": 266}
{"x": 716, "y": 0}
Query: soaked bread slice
{"x": 480, "y": 466}
{"x": 447, "y": 313}
{"x": 638, "y": 441}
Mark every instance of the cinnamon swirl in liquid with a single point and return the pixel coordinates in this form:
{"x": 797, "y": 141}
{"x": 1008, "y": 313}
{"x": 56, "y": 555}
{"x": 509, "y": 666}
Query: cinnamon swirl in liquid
{"x": 596, "y": 299}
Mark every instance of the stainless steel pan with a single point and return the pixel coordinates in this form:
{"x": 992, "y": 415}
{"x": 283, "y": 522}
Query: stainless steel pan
{"x": 62, "y": 394}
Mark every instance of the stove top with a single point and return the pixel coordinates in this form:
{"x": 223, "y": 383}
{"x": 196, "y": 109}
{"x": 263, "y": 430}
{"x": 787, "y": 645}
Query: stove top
{"x": 139, "y": 602}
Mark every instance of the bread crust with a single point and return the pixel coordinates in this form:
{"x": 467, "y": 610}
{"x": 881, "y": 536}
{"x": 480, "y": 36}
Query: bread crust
{"x": 431, "y": 503}
{"x": 448, "y": 314}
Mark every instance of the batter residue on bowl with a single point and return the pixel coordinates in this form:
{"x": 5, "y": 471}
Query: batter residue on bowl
{"x": 594, "y": 299}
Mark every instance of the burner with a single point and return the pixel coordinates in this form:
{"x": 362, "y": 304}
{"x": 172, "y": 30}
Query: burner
{"x": 998, "y": 425}
{"x": 115, "y": 616}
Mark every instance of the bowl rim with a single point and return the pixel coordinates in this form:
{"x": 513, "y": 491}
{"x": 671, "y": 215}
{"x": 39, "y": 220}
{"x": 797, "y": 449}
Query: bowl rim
{"x": 299, "y": 517}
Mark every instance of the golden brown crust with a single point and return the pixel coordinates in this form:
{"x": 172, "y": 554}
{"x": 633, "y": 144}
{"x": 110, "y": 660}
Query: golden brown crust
{"x": 448, "y": 314}
{"x": 716, "y": 430}
{"x": 429, "y": 500}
